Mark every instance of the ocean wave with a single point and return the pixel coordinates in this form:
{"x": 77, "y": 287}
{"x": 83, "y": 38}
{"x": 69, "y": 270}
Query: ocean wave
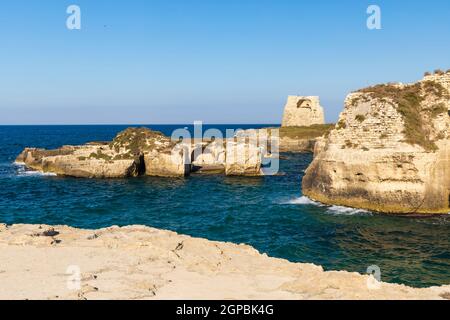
{"x": 347, "y": 211}
{"x": 36, "y": 174}
{"x": 22, "y": 171}
{"x": 303, "y": 200}
{"x": 336, "y": 210}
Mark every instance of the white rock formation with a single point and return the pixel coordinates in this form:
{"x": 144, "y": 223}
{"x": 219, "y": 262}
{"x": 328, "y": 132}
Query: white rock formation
{"x": 139, "y": 151}
{"x": 389, "y": 152}
{"x": 175, "y": 163}
{"x": 302, "y": 111}
{"x": 133, "y": 152}
{"x": 88, "y": 161}
{"x": 243, "y": 159}
{"x": 138, "y": 262}
{"x": 209, "y": 154}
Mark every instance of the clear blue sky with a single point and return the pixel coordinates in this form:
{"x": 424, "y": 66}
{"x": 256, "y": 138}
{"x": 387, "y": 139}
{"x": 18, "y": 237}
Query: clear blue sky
{"x": 220, "y": 61}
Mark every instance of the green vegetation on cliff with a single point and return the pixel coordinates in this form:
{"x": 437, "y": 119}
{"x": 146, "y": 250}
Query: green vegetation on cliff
{"x": 311, "y": 132}
{"x": 99, "y": 156}
{"x": 409, "y": 101}
{"x": 137, "y": 140}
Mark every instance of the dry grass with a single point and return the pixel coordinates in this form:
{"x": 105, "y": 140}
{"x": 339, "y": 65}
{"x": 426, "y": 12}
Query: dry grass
{"x": 136, "y": 140}
{"x": 408, "y": 101}
{"x": 360, "y": 118}
{"x": 310, "y": 132}
{"x": 99, "y": 156}
{"x": 438, "y": 109}
{"x": 341, "y": 124}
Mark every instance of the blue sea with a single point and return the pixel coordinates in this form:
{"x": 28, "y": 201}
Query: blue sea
{"x": 268, "y": 213}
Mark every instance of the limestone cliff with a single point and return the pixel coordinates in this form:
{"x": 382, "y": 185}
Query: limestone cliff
{"x": 131, "y": 153}
{"x": 141, "y": 151}
{"x": 89, "y": 161}
{"x": 243, "y": 159}
{"x": 302, "y": 111}
{"x": 389, "y": 152}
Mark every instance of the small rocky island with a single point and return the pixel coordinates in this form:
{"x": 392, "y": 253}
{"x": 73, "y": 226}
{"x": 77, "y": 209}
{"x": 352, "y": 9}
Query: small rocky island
{"x": 133, "y": 152}
{"x": 390, "y": 150}
{"x": 142, "y": 151}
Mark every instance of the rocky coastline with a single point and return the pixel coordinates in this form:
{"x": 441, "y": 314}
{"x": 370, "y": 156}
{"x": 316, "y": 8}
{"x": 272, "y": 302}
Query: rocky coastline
{"x": 142, "y": 151}
{"x": 389, "y": 151}
{"x": 137, "y": 262}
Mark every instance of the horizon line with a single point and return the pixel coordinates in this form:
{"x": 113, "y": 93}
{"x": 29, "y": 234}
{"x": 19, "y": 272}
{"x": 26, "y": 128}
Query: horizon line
{"x": 133, "y": 124}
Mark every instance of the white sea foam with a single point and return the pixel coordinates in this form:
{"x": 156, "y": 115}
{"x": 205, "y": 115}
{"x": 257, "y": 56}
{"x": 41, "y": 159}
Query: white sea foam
{"x": 336, "y": 210}
{"x": 36, "y": 173}
{"x": 303, "y": 200}
{"x": 22, "y": 171}
{"x": 340, "y": 210}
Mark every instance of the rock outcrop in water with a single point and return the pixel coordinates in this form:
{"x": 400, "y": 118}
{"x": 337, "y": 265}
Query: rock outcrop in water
{"x": 90, "y": 161}
{"x": 302, "y": 111}
{"x": 133, "y": 152}
{"x": 293, "y": 139}
{"x": 141, "y": 151}
{"x": 243, "y": 159}
{"x": 389, "y": 152}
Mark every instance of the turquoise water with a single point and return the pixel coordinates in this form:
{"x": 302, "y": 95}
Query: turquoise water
{"x": 267, "y": 213}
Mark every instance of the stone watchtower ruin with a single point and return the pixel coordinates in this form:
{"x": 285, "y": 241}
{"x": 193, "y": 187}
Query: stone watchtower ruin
{"x": 302, "y": 111}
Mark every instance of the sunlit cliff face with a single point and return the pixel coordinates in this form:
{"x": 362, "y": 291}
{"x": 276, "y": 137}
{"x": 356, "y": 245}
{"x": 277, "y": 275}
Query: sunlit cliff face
{"x": 389, "y": 152}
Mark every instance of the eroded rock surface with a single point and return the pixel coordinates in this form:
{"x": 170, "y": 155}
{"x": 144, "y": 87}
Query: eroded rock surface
{"x": 302, "y": 111}
{"x": 141, "y": 151}
{"x": 389, "y": 152}
{"x": 289, "y": 139}
{"x": 125, "y": 156}
{"x": 136, "y": 262}
{"x": 243, "y": 159}
{"x": 89, "y": 161}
